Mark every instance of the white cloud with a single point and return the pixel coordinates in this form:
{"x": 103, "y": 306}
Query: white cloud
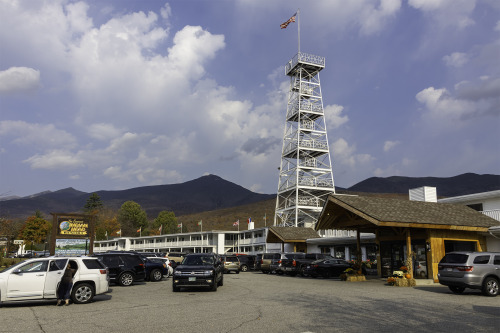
{"x": 452, "y": 13}
{"x": 497, "y": 26}
{"x": 373, "y": 19}
{"x": 40, "y": 135}
{"x": 102, "y": 131}
{"x": 56, "y": 160}
{"x": 389, "y": 145}
{"x": 456, "y": 59}
{"x": 19, "y": 79}
{"x": 345, "y": 154}
{"x": 334, "y": 117}
{"x": 472, "y": 99}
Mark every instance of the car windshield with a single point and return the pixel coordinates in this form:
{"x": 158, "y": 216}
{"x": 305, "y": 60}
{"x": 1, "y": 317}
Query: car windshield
{"x": 198, "y": 260}
{"x": 12, "y": 267}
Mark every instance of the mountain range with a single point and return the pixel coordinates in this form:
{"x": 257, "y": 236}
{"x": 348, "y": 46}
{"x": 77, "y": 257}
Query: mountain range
{"x": 212, "y": 193}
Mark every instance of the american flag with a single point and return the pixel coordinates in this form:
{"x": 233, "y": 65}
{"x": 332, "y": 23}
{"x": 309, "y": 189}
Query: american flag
{"x": 290, "y": 20}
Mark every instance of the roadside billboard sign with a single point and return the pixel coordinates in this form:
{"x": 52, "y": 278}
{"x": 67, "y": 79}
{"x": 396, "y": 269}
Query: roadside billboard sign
{"x": 72, "y": 234}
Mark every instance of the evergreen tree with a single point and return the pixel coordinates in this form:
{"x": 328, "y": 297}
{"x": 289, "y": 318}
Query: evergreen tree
{"x": 93, "y": 204}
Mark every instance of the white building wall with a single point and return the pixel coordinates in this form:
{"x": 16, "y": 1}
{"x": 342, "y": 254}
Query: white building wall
{"x": 220, "y": 243}
{"x": 492, "y": 244}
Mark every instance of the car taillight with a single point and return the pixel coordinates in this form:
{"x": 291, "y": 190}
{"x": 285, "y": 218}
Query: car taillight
{"x": 315, "y": 266}
{"x": 261, "y": 261}
{"x": 465, "y": 268}
{"x": 294, "y": 263}
{"x": 103, "y": 271}
{"x": 279, "y": 261}
{"x": 142, "y": 265}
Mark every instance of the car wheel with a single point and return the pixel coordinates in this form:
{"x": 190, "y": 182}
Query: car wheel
{"x": 155, "y": 275}
{"x": 244, "y": 268}
{"x": 82, "y": 293}
{"x": 175, "y": 289}
{"x": 456, "y": 290}
{"x": 126, "y": 279}
{"x": 490, "y": 287}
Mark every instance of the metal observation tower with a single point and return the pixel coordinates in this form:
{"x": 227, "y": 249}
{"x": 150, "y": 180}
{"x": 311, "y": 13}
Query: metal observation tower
{"x": 305, "y": 174}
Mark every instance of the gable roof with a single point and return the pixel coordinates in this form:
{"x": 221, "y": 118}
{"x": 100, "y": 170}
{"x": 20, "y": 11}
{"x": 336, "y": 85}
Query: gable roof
{"x": 351, "y": 212}
{"x": 290, "y": 234}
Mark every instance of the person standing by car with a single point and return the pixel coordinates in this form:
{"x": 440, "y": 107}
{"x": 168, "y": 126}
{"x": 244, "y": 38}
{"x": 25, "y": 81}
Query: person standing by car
{"x": 65, "y": 286}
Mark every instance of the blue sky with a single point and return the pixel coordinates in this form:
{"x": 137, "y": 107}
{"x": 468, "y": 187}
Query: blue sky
{"x": 108, "y": 95}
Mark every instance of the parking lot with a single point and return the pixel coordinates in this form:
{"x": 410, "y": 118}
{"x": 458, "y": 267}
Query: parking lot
{"x": 256, "y": 302}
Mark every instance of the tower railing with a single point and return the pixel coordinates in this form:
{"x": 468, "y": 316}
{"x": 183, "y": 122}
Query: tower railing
{"x": 306, "y": 59}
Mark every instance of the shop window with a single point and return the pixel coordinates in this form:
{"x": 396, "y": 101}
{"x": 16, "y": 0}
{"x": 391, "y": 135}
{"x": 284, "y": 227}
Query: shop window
{"x": 371, "y": 252}
{"x": 340, "y": 252}
{"x": 453, "y": 246}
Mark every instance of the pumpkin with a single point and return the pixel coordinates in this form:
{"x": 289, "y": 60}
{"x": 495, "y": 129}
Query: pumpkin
{"x": 408, "y": 276}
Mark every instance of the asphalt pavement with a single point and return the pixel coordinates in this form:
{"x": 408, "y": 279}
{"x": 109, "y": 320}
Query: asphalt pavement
{"x": 256, "y": 302}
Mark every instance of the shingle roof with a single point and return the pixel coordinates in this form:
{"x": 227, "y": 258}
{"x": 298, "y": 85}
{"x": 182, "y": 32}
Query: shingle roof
{"x": 376, "y": 210}
{"x": 287, "y": 234}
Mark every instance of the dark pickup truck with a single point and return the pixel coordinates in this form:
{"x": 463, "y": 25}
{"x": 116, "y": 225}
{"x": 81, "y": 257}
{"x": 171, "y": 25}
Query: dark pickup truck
{"x": 297, "y": 265}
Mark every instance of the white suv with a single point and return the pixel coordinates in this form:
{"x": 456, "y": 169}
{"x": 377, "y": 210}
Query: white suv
{"x": 36, "y": 279}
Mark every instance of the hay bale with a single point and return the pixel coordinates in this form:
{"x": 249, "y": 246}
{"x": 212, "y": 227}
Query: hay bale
{"x": 355, "y": 278}
{"x": 404, "y": 282}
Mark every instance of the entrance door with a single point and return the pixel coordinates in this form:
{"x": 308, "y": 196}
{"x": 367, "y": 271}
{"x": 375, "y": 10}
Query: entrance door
{"x": 392, "y": 257}
{"x": 420, "y": 262}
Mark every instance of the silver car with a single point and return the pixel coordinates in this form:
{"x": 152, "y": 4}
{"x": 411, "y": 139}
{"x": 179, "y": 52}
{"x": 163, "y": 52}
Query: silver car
{"x": 475, "y": 270}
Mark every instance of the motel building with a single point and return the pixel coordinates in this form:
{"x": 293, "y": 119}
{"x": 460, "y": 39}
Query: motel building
{"x": 386, "y": 227}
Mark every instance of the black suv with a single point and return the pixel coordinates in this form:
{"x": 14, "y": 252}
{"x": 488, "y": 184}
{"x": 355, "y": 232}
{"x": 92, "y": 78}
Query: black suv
{"x": 199, "y": 270}
{"x": 154, "y": 270}
{"x": 124, "y": 268}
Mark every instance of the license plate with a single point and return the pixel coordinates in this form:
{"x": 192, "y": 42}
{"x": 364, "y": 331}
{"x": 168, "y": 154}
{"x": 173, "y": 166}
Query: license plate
{"x": 191, "y": 279}
{"x": 449, "y": 269}
{"x": 308, "y": 267}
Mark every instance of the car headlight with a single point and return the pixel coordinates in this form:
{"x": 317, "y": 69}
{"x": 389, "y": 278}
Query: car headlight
{"x": 177, "y": 273}
{"x": 209, "y": 272}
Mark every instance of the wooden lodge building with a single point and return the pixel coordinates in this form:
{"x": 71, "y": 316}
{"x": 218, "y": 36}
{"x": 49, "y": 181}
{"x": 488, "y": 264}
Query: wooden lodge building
{"x": 429, "y": 229}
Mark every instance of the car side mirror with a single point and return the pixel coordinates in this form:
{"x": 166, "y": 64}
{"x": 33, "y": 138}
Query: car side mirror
{"x": 17, "y": 271}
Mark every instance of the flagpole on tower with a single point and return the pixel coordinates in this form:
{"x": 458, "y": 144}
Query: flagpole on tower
{"x": 298, "y": 23}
